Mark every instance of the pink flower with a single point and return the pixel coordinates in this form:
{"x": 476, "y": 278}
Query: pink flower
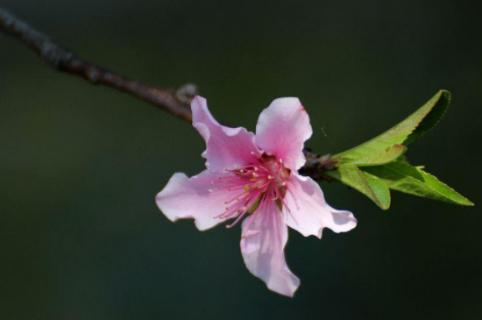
{"x": 256, "y": 177}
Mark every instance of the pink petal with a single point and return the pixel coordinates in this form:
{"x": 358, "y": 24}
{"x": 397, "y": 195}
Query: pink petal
{"x": 225, "y": 147}
{"x": 307, "y": 211}
{"x": 200, "y": 198}
{"x": 282, "y": 129}
{"x": 263, "y": 239}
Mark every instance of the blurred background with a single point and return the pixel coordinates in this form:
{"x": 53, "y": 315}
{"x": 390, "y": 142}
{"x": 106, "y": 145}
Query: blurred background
{"x": 80, "y": 235}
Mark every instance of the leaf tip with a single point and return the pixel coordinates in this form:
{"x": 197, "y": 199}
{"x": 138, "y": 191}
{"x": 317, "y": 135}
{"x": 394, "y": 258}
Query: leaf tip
{"x": 447, "y": 95}
{"x": 385, "y": 207}
{"x": 445, "y": 92}
{"x": 467, "y": 203}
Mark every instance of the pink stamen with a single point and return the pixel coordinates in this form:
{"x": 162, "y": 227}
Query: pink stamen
{"x": 264, "y": 180}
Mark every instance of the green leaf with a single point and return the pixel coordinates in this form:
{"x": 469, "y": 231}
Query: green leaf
{"x": 376, "y": 157}
{"x": 370, "y": 185}
{"x": 402, "y": 176}
{"x": 389, "y": 145}
{"x": 378, "y": 165}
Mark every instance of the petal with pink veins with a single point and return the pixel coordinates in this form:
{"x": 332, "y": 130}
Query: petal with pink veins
{"x": 282, "y": 129}
{"x": 202, "y": 197}
{"x": 306, "y": 210}
{"x": 264, "y": 236}
{"x": 225, "y": 147}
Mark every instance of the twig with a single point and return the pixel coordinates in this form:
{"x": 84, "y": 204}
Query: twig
{"x": 175, "y": 102}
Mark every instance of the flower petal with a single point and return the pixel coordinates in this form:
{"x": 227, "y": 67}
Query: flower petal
{"x": 225, "y": 147}
{"x": 263, "y": 239}
{"x": 201, "y": 197}
{"x": 282, "y": 129}
{"x": 307, "y": 211}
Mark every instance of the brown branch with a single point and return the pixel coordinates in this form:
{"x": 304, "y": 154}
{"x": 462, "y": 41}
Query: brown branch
{"x": 175, "y": 102}
{"x": 316, "y": 165}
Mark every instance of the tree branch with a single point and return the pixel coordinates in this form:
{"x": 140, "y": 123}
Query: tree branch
{"x": 175, "y": 102}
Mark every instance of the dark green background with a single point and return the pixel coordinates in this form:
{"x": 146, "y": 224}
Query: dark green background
{"x": 80, "y": 235}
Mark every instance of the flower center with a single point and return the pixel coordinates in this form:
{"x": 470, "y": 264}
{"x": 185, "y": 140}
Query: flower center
{"x": 264, "y": 180}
